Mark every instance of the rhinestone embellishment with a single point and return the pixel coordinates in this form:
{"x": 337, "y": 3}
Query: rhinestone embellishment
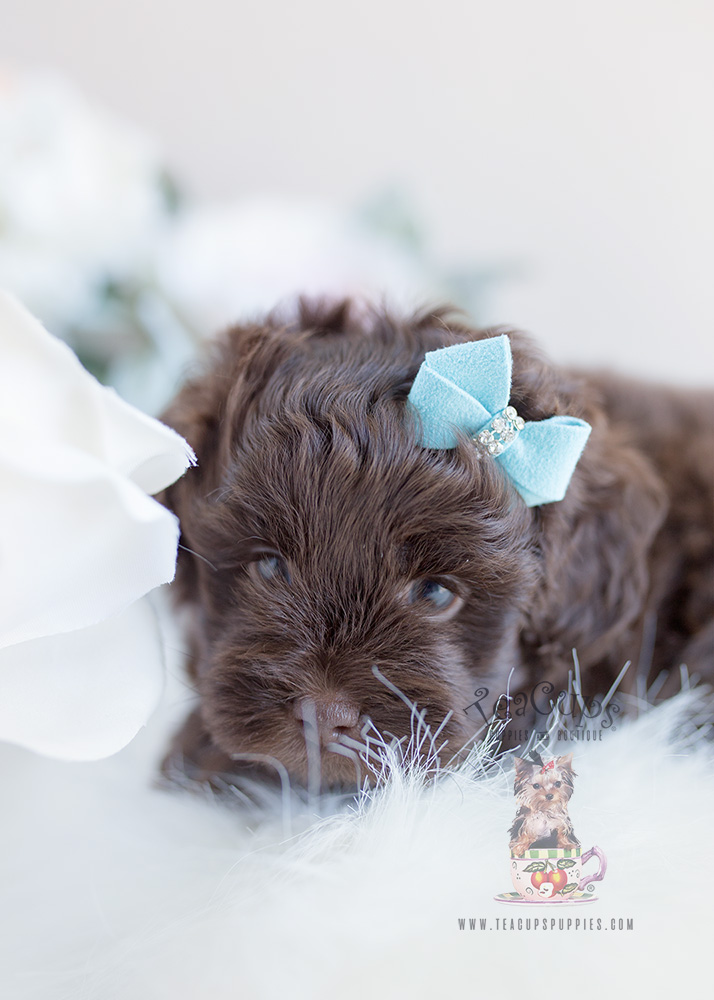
{"x": 499, "y": 432}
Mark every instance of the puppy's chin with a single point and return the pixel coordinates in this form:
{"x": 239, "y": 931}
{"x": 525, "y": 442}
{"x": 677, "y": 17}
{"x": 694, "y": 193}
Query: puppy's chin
{"x": 347, "y": 763}
{"x": 341, "y": 768}
{"x": 292, "y": 755}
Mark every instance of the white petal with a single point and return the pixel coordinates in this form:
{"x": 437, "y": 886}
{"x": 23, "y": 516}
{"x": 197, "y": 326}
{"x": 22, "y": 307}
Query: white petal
{"x": 82, "y": 695}
{"x": 45, "y": 391}
{"x": 151, "y": 454}
{"x": 79, "y": 542}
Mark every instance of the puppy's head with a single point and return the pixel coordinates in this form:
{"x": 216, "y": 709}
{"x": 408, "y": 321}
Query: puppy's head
{"x": 339, "y": 573}
{"x": 544, "y": 788}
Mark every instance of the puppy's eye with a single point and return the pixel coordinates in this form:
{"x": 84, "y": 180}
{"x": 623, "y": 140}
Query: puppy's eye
{"x": 272, "y": 568}
{"x": 557, "y": 784}
{"x": 536, "y": 785}
{"x": 439, "y": 599}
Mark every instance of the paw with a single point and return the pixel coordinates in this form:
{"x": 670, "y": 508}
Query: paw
{"x": 194, "y": 759}
{"x": 568, "y": 840}
{"x": 519, "y": 847}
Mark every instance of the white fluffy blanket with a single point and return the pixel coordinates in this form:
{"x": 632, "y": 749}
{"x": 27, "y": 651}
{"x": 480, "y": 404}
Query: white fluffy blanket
{"x": 112, "y": 888}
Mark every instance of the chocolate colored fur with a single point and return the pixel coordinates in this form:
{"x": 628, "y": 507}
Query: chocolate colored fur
{"x": 306, "y": 452}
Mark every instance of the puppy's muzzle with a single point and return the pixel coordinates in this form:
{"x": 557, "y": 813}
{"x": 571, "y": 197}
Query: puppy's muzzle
{"x": 331, "y": 715}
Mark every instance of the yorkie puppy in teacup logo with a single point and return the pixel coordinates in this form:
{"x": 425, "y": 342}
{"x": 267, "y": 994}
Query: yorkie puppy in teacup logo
{"x": 546, "y": 858}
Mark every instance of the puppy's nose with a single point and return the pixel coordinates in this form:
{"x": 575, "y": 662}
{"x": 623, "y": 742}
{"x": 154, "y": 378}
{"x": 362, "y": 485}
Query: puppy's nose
{"x": 549, "y": 795}
{"x": 334, "y": 714}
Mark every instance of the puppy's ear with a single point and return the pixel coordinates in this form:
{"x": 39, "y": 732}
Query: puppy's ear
{"x": 565, "y": 762}
{"x": 203, "y": 412}
{"x": 524, "y": 772}
{"x": 594, "y": 547}
{"x": 200, "y": 410}
{"x": 523, "y": 767}
{"x": 210, "y": 408}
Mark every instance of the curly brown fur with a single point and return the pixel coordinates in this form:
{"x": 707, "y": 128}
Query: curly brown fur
{"x": 306, "y": 453}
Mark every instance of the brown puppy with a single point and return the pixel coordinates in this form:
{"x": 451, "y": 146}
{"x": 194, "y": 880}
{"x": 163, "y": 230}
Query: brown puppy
{"x": 335, "y": 560}
{"x": 542, "y": 795}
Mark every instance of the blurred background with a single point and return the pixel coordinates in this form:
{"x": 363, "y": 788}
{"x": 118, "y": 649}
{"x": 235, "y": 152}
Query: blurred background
{"x": 167, "y": 166}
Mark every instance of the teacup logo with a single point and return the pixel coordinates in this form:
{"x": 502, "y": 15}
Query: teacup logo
{"x": 545, "y": 858}
{"x": 550, "y": 877}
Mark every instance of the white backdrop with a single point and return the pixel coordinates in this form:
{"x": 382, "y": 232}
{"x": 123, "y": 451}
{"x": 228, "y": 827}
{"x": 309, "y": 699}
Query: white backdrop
{"x": 567, "y": 144}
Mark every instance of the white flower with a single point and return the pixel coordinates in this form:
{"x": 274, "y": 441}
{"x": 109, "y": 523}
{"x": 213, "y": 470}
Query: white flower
{"x": 226, "y": 263}
{"x": 80, "y": 199}
{"x": 81, "y": 540}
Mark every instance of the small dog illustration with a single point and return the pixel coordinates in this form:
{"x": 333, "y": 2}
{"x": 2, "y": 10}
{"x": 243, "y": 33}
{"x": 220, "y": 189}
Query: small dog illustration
{"x": 542, "y": 794}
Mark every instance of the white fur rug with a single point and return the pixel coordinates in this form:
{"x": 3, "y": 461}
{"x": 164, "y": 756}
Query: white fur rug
{"x": 112, "y": 888}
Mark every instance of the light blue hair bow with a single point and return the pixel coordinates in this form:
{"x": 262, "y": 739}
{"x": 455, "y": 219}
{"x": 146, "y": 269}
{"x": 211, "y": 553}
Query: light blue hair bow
{"x": 466, "y": 388}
